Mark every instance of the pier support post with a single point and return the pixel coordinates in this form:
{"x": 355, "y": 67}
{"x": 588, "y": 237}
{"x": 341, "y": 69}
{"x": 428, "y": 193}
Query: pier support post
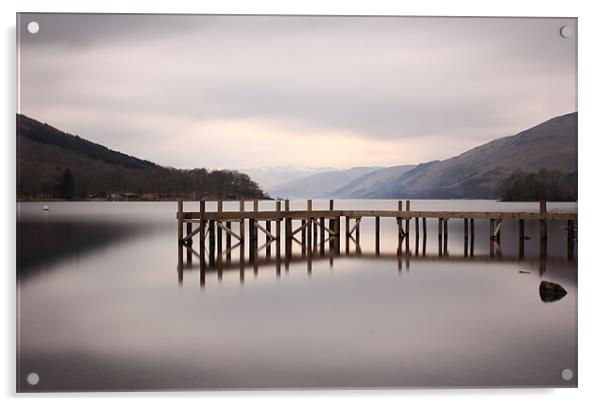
{"x": 521, "y": 238}
{"x": 315, "y": 235}
{"x": 417, "y": 227}
{"x": 268, "y": 247}
{"x": 440, "y": 235}
{"x": 202, "y": 265}
{"x": 180, "y": 221}
{"x": 491, "y": 237}
{"x": 211, "y": 242}
{"x": 357, "y": 235}
{"x": 543, "y": 225}
{"x": 445, "y": 235}
{"x": 465, "y": 237}
{"x": 278, "y": 224}
{"x": 337, "y": 240}
{"x": 188, "y": 243}
{"x": 472, "y": 237}
{"x": 241, "y": 209}
{"x": 543, "y": 231}
{"x": 377, "y": 235}
{"x": 400, "y": 231}
{"x": 423, "y": 236}
{"x": 417, "y": 238}
{"x": 323, "y": 234}
{"x": 309, "y": 226}
{"x": 570, "y": 239}
{"x": 253, "y": 233}
{"x": 220, "y": 208}
{"x": 303, "y": 236}
{"x": 228, "y": 242}
{"x": 347, "y": 234}
{"x": 407, "y": 229}
{"x": 332, "y": 226}
{"x": 288, "y": 229}
{"x": 202, "y": 234}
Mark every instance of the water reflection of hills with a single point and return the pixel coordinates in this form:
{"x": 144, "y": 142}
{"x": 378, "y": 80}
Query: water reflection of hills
{"x": 43, "y": 244}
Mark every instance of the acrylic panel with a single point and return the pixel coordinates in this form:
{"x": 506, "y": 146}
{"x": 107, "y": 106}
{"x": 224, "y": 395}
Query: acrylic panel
{"x": 267, "y": 202}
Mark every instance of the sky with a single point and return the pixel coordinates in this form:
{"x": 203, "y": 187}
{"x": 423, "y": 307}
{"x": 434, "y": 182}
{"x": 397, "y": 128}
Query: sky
{"x": 247, "y": 91}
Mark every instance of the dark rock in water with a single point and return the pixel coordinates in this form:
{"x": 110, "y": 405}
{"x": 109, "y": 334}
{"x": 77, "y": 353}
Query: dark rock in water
{"x": 551, "y": 292}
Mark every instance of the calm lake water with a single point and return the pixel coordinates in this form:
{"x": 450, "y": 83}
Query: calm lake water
{"x": 103, "y": 306}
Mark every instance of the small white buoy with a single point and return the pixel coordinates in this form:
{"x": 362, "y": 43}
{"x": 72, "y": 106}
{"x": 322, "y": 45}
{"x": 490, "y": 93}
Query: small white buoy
{"x": 45, "y": 208}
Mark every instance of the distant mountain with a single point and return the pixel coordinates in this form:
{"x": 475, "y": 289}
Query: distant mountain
{"x": 269, "y": 177}
{"x": 478, "y": 173}
{"x": 54, "y": 164}
{"x": 320, "y": 185}
{"x": 371, "y": 182}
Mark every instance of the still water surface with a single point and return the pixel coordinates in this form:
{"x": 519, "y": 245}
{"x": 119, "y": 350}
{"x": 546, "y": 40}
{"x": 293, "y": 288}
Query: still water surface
{"x": 102, "y": 306}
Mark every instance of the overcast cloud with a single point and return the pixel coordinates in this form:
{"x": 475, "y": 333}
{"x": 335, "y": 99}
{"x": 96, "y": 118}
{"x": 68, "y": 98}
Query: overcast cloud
{"x": 244, "y": 91}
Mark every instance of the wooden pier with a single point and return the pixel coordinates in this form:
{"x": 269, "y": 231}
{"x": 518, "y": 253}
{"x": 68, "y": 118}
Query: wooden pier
{"x": 314, "y": 230}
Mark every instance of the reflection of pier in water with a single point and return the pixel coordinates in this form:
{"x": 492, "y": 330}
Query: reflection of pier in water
{"x": 403, "y": 262}
{"x": 320, "y": 236}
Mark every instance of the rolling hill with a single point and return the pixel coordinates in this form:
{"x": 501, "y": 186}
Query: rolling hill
{"x": 478, "y": 173}
{"x": 371, "y": 182}
{"x": 270, "y": 177}
{"x": 320, "y": 184}
{"x": 44, "y": 153}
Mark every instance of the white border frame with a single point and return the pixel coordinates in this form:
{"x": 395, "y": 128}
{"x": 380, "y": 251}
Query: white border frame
{"x": 590, "y": 339}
